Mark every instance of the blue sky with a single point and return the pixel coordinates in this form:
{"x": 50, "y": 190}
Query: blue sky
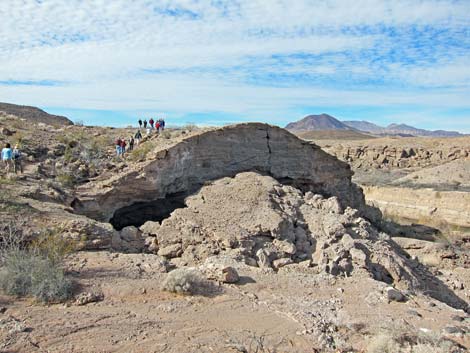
{"x": 220, "y": 62}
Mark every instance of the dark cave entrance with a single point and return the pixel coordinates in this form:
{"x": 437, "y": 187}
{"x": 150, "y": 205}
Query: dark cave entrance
{"x": 140, "y": 212}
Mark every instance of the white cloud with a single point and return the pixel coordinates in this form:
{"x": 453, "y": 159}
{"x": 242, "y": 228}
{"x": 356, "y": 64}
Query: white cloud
{"x": 229, "y": 56}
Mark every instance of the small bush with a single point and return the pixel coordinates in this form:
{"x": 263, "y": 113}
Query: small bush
{"x": 189, "y": 127}
{"x": 183, "y": 281}
{"x": 26, "y": 272}
{"x": 166, "y": 134}
{"x": 140, "y": 152}
{"x": 67, "y": 180}
{"x": 400, "y": 340}
{"x": 33, "y": 269}
{"x": 53, "y": 246}
{"x": 383, "y": 343}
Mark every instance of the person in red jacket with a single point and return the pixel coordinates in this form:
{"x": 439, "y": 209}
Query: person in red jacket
{"x": 151, "y": 121}
{"x": 157, "y": 127}
{"x": 123, "y": 146}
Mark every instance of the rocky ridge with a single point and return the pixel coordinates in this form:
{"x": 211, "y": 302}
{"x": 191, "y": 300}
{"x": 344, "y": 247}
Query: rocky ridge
{"x": 33, "y": 115}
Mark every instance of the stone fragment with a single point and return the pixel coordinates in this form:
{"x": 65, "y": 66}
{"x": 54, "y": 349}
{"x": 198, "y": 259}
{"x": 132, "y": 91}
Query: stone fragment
{"x": 394, "y": 295}
{"x": 285, "y": 246}
{"x": 263, "y": 259}
{"x": 278, "y": 263}
{"x": 230, "y": 275}
{"x": 88, "y": 297}
{"x": 129, "y": 239}
{"x": 150, "y": 228}
{"x": 171, "y": 251}
{"x": 358, "y": 257}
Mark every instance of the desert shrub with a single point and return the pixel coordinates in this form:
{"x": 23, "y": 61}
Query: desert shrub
{"x": 78, "y": 122}
{"x": 68, "y": 154}
{"x": 165, "y": 134}
{"x": 25, "y": 272}
{"x": 66, "y": 179}
{"x": 189, "y": 127}
{"x": 52, "y": 245}
{"x": 33, "y": 268}
{"x": 140, "y": 152}
{"x": 183, "y": 281}
{"x": 383, "y": 343}
{"x": 397, "y": 339}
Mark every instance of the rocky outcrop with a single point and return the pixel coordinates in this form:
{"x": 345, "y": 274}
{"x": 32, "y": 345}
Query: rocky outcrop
{"x": 258, "y": 221}
{"x": 182, "y": 168}
{"x": 400, "y": 153}
{"x": 439, "y": 208}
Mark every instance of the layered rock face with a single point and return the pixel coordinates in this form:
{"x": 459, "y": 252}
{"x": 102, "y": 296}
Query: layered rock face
{"x": 400, "y": 153}
{"x": 182, "y": 168}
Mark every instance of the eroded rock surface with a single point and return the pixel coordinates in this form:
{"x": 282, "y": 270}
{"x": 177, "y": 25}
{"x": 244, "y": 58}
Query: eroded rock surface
{"x": 256, "y": 220}
{"x": 182, "y": 168}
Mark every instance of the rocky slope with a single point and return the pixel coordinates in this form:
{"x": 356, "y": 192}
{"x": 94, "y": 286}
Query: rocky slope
{"x": 33, "y": 115}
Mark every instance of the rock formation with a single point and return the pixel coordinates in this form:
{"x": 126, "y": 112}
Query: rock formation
{"x": 256, "y": 220}
{"x": 180, "y": 169}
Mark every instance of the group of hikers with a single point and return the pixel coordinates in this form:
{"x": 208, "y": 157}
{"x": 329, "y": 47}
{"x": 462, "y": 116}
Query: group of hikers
{"x": 123, "y": 145}
{"x": 11, "y": 157}
{"x": 159, "y": 125}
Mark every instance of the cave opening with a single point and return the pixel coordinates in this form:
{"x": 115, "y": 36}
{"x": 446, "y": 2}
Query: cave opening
{"x": 138, "y": 213}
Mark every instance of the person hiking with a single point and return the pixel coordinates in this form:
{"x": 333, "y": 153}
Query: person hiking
{"x": 140, "y": 123}
{"x": 162, "y": 124}
{"x": 6, "y": 157}
{"x": 118, "y": 146}
{"x": 145, "y": 123}
{"x": 17, "y": 164}
{"x": 131, "y": 143}
{"x": 157, "y": 126}
{"x": 138, "y": 137}
{"x": 123, "y": 147}
{"x": 151, "y": 123}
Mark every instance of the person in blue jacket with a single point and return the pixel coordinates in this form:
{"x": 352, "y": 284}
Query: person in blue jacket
{"x": 7, "y": 154}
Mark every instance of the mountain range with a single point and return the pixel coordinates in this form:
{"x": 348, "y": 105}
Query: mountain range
{"x": 328, "y": 122}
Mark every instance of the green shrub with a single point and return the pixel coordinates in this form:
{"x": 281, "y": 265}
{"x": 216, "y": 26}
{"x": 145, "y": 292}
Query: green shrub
{"x": 33, "y": 268}
{"x": 67, "y": 180}
{"x": 139, "y": 153}
{"x": 26, "y": 272}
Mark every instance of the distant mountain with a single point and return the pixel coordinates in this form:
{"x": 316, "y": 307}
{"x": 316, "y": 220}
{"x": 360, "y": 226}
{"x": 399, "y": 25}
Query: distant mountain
{"x": 317, "y": 122}
{"x": 365, "y": 126}
{"x": 34, "y": 114}
{"x": 406, "y": 129}
{"x": 399, "y": 129}
{"x": 327, "y": 122}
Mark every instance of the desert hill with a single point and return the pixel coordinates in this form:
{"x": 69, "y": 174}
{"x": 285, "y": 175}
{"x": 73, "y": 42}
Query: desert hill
{"x": 317, "y": 122}
{"x": 33, "y": 114}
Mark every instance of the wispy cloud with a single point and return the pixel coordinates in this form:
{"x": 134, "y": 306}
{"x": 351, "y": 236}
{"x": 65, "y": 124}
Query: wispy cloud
{"x": 240, "y": 58}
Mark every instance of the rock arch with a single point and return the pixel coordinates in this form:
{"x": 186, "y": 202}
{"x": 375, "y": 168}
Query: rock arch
{"x": 186, "y": 165}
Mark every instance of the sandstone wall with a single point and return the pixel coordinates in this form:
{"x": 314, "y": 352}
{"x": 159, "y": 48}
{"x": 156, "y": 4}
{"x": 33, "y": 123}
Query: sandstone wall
{"x": 187, "y": 165}
{"x": 425, "y": 205}
{"x": 400, "y": 153}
